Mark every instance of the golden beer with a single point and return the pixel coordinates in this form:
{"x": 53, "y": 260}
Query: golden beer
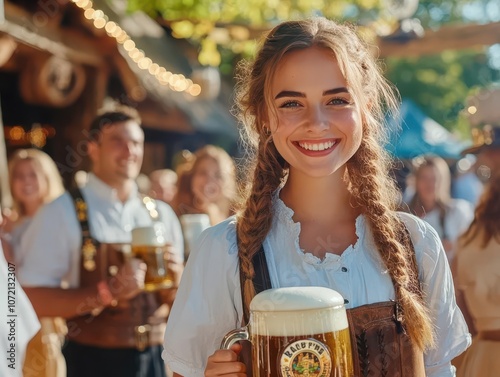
{"x": 156, "y": 272}
{"x": 149, "y": 245}
{"x": 298, "y": 331}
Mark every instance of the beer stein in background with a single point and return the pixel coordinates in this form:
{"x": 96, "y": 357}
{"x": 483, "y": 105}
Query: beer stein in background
{"x": 149, "y": 245}
{"x": 297, "y": 331}
{"x": 192, "y": 226}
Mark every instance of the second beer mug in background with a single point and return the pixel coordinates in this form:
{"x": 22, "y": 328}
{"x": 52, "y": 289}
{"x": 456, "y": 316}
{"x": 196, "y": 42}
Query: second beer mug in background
{"x": 149, "y": 244}
{"x": 297, "y": 331}
{"x": 192, "y": 226}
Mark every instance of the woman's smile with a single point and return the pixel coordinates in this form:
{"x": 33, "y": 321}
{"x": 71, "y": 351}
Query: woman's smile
{"x": 316, "y": 148}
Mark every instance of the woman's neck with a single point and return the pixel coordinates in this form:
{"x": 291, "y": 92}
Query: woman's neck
{"x": 30, "y": 208}
{"x": 319, "y": 199}
{"x": 428, "y": 205}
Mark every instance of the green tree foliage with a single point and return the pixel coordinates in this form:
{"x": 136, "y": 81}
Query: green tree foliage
{"x": 235, "y": 25}
{"x": 440, "y": 84}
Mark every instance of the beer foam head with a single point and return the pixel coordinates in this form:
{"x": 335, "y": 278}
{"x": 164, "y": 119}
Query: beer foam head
{"x": 296, "y": 298}
{"x": 153, "y": 235}
{"x": 295, "y": 311}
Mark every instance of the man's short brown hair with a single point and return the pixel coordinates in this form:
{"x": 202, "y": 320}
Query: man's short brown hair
{"x": 109, "y": 117}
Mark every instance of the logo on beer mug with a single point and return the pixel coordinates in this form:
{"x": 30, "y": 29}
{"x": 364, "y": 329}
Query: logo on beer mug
{"x": 307, "y": 357}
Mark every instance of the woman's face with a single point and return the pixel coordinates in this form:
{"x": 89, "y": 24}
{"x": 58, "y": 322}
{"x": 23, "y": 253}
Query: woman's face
{"x": 427, "y": 184}
{"x": 318, "y": 126}
{"x": 206, "y": 182}
{"x": 28, "y": 185}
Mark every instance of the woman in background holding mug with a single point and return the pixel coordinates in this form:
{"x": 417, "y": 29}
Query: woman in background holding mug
{"x": 319, "y": 211}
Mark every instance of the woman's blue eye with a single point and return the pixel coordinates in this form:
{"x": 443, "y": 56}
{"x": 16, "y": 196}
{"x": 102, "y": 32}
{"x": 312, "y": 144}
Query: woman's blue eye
{"x": 339, "y": 101}
{"x": 290, "y": 104}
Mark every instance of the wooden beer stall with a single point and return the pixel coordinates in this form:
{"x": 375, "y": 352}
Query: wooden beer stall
{"x": 61, "y": 60}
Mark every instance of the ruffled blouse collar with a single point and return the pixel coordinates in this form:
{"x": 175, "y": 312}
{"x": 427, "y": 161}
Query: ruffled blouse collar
{"x": 284, "y": 215}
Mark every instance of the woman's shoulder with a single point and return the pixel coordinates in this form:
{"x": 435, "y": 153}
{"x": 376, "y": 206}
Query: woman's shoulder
{"x": 425, "y": 239}
{"x": 416, "y": 226}
{"x": 220, "y": 238}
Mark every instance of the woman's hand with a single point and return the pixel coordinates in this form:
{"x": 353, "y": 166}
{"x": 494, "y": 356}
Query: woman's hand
{"x": 225, "y": 363}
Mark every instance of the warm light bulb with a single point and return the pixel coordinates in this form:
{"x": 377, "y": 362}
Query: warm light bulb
{"x": 110, "y": 27}
{"x": 195, "y": 90}
{"x": 81, "y": 3}
{"x": 145, "y": 63}
{"x": 99, "y": 23}
{"x": 129, "y": 45}
{"x": 472, "y": 110}
{"x": 117, "y": 31}
{"x": 154, "y": 68}
{"x": 89, "y": 13}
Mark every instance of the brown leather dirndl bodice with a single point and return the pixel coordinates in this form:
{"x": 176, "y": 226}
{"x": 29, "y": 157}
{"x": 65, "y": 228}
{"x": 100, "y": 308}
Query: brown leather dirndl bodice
{"x": 383, "y": 348}
{"x": 131, "y": 324}
{"x": 380, "y": 346}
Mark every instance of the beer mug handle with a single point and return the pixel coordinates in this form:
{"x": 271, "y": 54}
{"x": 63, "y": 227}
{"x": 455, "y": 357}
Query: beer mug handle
{"x": 234, "y": 336}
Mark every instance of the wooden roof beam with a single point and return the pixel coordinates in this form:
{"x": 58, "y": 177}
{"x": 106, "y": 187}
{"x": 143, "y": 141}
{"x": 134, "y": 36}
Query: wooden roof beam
{"x": 69, "y": 44}
{"x": 446, "y": 38}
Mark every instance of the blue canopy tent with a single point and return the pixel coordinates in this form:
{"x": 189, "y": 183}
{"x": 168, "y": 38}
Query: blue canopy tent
{"x": 413, "y": 134}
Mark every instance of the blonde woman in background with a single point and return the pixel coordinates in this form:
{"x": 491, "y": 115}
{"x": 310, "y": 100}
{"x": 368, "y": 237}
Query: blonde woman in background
{"x": 207, "y": 185}
{"x": 432, "y": 202}
{"x": 35, "y": 181}
{"x": 477, "y": 279}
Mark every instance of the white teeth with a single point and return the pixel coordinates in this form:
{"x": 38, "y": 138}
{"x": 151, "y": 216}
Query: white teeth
{"x": 317, "y": 146}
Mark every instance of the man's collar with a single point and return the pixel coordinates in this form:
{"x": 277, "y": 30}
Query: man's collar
{"x": 105, "y": 191}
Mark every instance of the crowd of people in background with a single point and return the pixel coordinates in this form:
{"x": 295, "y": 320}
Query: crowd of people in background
{"x": 49, "y": 249}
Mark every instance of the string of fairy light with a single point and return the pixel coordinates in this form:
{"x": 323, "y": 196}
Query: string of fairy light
{"x": 176, "y": 82}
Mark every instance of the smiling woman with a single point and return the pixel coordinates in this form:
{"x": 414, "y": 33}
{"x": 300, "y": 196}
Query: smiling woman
{"x": 320, "y": 210}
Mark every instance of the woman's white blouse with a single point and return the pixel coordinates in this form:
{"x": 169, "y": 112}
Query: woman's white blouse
{"x": 208, "y": 302}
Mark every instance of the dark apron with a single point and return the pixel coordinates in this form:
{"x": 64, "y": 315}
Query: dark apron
{"x": 131, "y": 324}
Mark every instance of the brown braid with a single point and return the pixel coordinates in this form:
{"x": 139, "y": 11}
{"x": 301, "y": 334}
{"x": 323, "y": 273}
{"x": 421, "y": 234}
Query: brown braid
{"x": 368, "y": 168}
{"x": 390, "y": 236}
{"x": 255, "y": 220}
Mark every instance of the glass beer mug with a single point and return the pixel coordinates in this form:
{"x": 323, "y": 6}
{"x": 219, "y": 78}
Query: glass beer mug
{"x": 297, "y": 331}
{"x": 192, "y": 226}
{"x": 149, "y": 245}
